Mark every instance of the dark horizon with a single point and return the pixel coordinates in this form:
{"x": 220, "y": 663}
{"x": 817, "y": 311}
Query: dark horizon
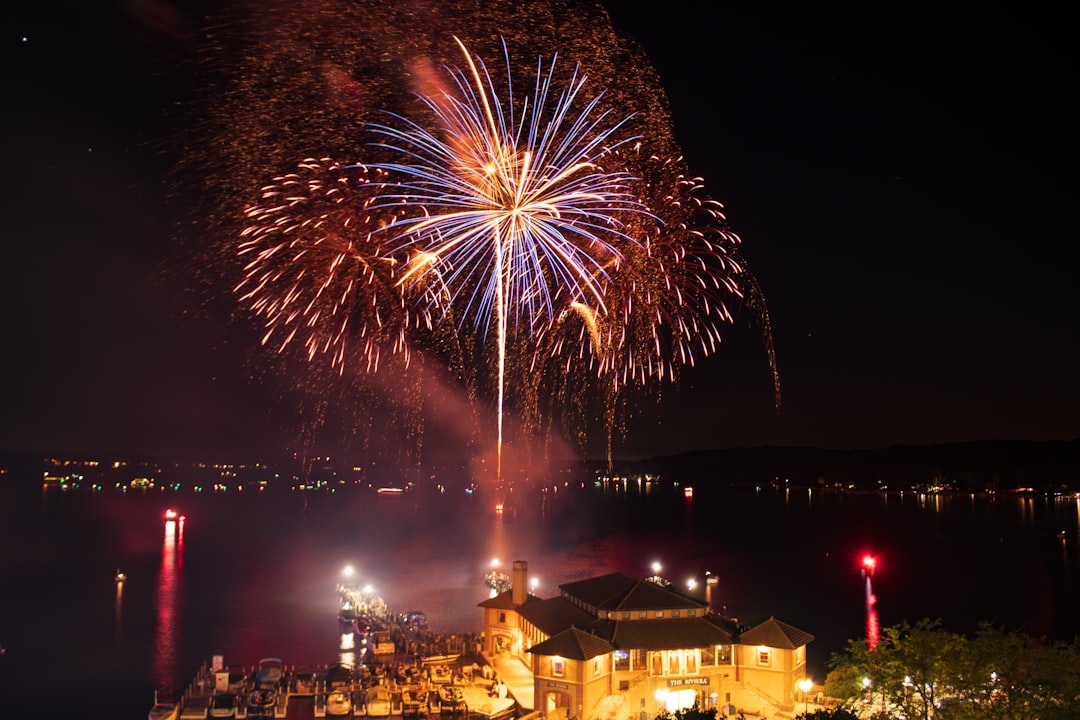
{"x": 1051, "y": 467}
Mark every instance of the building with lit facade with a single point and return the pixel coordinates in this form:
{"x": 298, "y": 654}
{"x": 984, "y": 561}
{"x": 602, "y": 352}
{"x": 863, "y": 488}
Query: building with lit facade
{"x": 618, "y": 648}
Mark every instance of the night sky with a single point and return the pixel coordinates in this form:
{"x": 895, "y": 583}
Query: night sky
{"x": 902, "y": 180}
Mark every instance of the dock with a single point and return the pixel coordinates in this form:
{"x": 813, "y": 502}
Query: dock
{"x": 407, "y": 673}
{"x": 411, "y": 690}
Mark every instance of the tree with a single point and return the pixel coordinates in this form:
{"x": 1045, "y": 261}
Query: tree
{"x": 693, "y": 713}
{"x": 925, "y": 672}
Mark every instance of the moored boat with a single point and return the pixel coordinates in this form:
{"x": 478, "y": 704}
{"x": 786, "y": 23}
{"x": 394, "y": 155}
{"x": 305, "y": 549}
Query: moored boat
{"x": 164, "y": 711}
{"x": 269, "y": 673}
{"x": 223, "y": 705}
{"x": 377, "y": 701}
{"x": 339, "y": 704}
{"x": 452, "y": 700}
{"x": 261, "y": 702}
{"x": 414, "y": 703}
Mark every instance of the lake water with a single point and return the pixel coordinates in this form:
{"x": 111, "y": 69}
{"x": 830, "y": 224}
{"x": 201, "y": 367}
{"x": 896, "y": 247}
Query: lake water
{"x": 253, "y": 575}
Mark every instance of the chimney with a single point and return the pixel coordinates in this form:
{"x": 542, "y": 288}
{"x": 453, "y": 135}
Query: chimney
{"x": 519, "y": 583}
{"x": 711, "y": 581}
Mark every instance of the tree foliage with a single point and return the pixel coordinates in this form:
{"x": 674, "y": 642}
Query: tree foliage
{"x": 924, "y": 672}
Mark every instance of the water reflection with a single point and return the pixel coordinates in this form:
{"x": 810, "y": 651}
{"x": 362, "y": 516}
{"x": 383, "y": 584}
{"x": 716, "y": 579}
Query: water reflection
{"x": 167, "y": 639}
{"x": 118, "y": 613}
{"x": 347, "y": 649}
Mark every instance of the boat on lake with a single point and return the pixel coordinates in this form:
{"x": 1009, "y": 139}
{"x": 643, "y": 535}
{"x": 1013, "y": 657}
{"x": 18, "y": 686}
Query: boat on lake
{"x": 347, "y": 614}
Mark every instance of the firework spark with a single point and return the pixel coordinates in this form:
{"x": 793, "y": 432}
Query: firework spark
{"x": 666, "y": 303}
{"x": 315, "y": 272}
{"x": 512, "y": 209}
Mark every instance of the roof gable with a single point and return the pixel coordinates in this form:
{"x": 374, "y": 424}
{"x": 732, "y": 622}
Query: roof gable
{"x": 775, "y": 634}
{"x": 619, "y": 592}
{"x": 574, "y": 644}
{"x": 668, "y": 634}
{"x": 647, "y": 595}
{"x": 554, "y": 615}
{"x": 601, "y": 590}
{"x": 505, "y": 601}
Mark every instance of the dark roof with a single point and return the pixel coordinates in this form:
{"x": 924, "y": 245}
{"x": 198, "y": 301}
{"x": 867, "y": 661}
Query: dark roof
{"x": 600, "y": 590}
{"x": 617, "y": 591}
{"x": 666, "y": 634}
{"x": 505, "y": 601}
{"x": 775, "y": 634}
{"x": 555, "y": 615}
{"x": 650, "y": 596}
{"x": 574, "y": 644}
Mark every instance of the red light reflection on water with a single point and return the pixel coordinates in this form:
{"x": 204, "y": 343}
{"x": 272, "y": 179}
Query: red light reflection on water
{"x": 873, "y": 629}
{"x": 167, "y": 638}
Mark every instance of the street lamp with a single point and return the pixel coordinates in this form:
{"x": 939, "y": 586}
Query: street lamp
{"x": 805, "y": 685}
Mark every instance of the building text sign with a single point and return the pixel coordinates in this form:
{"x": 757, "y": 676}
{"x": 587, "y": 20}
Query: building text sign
{"x": 687, "y": 681}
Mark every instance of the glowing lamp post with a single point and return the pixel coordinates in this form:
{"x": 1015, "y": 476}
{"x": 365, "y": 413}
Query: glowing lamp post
{"x": 805, "y": 685}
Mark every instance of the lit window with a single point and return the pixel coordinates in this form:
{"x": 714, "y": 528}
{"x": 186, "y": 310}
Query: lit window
{"x": 675, "y": 613}
{"x": 764, "y": 656}
{"x": 708, "y": 655}
{"x": 558, "y": 667}
{"x": 659, "y": 614}
{"x": 598, "y": 665}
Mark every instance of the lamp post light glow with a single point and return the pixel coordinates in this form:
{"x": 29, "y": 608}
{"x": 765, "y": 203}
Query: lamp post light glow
{"x": 806, "y": 684}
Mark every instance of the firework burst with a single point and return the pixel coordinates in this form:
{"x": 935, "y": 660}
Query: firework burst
{"x": 315, "y": 272}
{"x": 509, "y": 208}
{"x": 602, "y": 270}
